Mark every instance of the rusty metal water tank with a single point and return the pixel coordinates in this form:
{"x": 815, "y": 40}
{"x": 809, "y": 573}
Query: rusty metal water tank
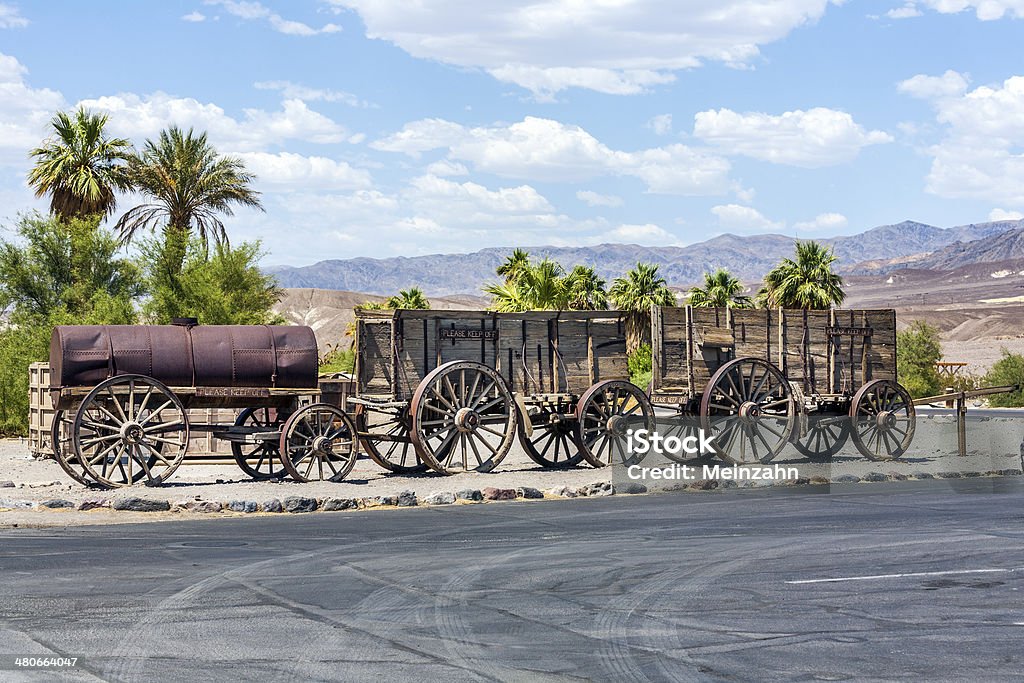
{"x": 185, "y": 355}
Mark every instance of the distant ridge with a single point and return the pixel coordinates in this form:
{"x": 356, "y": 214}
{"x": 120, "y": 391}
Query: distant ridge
{"x": 748, "y": 257}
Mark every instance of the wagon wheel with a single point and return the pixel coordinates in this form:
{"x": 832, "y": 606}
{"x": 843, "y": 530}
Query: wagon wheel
{"x": 319, "y": 441}
{"x": 748, "y": 408}
{"x": 682, "y": 426}
{"x": 607, "y": 413}
{"x": 826, "y": 435}
{"x": 63, "y": 451}
{"x": 129, "y": 428}
{"x": 553, "y": 443}
{"x": 261, "y": 460}
{"x": 463, "y": 418}
{"x": 396, "y": 453}
{"x": 883, "y": 418}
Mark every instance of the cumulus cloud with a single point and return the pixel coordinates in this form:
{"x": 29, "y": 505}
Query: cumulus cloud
{"x": 294, "y": 170}
{"x": 985, "y": 10}
{"x": 10, "y": 17}
{"x": 743, "y": 218}
{"x": 306, "y": 93}
{"x": 647, "y": 234}
{"x": 811, "y": 139}
{"x": 507, "y": 200}
{"x": 25, "y": 111}
{"x": 908, "y": 11}
{"x": 139, "y": 116}
{"x": 547, "y": 150}
{"x": 661, "y": 124}
{"x": 823, "y": 221}
{"x": 949, "y": 84}
{"x": 253, "y": 11}
{"x": 980, "y": 155}
{"x": 1004, "y": 215}
{"x": 194, "y": 17}
{"x": 619, "y": 48}
{"x": 596, "y": 199}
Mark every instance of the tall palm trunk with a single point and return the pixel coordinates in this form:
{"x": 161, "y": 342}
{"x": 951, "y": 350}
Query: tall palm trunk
{"x": 638, "y": 330}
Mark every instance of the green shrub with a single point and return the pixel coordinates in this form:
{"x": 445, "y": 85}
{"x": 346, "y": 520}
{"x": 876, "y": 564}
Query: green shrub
{"x": 918, "y": 349}
{"x": 639, "y": 364}
{"x": 1007, "y": 370}
{"x": 338, "y": 360}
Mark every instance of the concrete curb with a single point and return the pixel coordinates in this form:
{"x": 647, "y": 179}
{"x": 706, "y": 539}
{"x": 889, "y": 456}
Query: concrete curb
{"x": 305, "y": 505}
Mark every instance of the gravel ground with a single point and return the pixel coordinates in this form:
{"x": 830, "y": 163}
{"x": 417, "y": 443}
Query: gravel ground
{"x": 994, "y": 444}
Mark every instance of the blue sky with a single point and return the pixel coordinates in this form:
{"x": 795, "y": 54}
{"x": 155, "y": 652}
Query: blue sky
{"x": 391, "y": 128}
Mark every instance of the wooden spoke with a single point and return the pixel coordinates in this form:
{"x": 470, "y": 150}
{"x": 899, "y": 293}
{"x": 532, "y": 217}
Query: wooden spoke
{"x": 826, "y": 435}
{"x": 606, "y": 412}
{"x": 113, "y": 438}
{"x": 748, "y": 408}
{"x": 462, "y": 417}
{"x": 318, "y": 442}
{"x": 260, "y": 460}
{"x": 883, "y": 420}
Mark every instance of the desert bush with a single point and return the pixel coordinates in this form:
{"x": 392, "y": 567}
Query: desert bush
{"x": 639, "y": 364}
{"x": 1007, "y": 370}
{"x": 918, "y": 349}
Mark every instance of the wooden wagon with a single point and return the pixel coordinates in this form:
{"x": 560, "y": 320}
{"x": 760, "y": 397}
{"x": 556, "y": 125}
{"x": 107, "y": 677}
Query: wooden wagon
{"x": 452, "y": 390}
{"x": 122, "y": 395}
{"x": 758, "y": 379}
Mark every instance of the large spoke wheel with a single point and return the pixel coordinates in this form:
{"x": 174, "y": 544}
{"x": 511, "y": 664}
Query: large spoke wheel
{"x": 553, "y": 443}
{"x": 883, "y": 418}
{"x": 262, "y": 459}
{"x": 463, "y": 418}
{"x": 63, "y": 450}
{"x": 130, "y": 428}
{"x": 826, "y": 435}
{"x": 749, "y": 410}
{"x": 607, "y": 413}
{"x": 683, "y": 426}
{"x": 319, "y": 443}
{"x": 384, "y": 433}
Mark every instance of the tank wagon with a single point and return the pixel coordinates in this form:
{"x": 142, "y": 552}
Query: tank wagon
{"x": 122, "y": 395}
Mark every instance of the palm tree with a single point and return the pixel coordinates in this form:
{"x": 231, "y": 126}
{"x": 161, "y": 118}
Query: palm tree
{"x": 808, "y": 282}
{"x": 585, "y": 289}
{"x": 191, "y": 186}
{"x": 720, "y": 290}
{"x": 539, "y": 287}
{"x": 412, "y": 298}
{"x": 80, "y": 167}
{"x": 514, "y": 265}
{"x": 635, "y": 293}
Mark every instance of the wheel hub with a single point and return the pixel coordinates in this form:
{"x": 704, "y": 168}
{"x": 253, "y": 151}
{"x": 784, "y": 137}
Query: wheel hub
{"x": 323, "y": 444}
{"x": 886, "y": 419}
{"x": 132, "y": 433}
{"x": 750, "y": 411}
{"x": 467, "y": 420}
{"x": 617, "y": 425}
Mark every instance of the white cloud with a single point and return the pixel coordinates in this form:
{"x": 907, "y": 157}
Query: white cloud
{"x": 661, "y": 124}
{"x": 1004, "y": 215}
{"x": 743, "y": 218}
{"x": 429, "y": 189}
{"x": 25, "y": 112}
{"x": 646, "y": 234}
{"x": 10, "y": 17}
{"x": 823, "y": 221}
{"x": 985, "y": 10}
{"x": 421, "y": 136}
{"x": 194, "y": 17}
{"x": 305, "y": 93}
{"x": 811, "y": 139}
{"x": 294, "y": 170}
{"x": 138, "y": 116}
{"x": 253, "y": 11}
{"x": 908, "y": 11}
{"x": 613, "y": 46}
{"x": 949, "y": 84}
{"x": 444, "y": 167}
{"x": 980, "y": 156}
{"x": 547, "y": 150}
{"x": 595, "y": 199}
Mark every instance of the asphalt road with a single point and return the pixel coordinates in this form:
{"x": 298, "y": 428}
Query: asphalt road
{"x": 887, "y": 581}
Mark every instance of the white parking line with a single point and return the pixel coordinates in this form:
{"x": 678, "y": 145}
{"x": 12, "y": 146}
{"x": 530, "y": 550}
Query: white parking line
{"x": 908, "y": 574}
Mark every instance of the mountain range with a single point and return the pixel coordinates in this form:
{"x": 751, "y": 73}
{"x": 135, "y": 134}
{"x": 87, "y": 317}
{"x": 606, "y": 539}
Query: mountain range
{"x": 749, "y": 257}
